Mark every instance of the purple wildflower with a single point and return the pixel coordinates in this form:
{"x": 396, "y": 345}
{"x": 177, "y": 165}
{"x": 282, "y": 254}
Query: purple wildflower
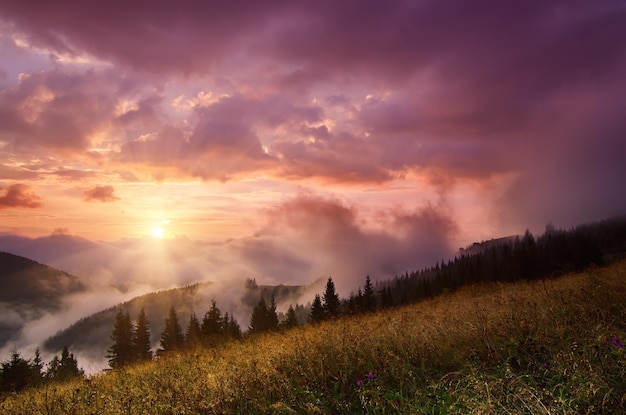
{"x": 546, "y": 365}
{"x": 370, "y": 376}
{"x": 615, "y": 341}
{"x": 359, "y": 383}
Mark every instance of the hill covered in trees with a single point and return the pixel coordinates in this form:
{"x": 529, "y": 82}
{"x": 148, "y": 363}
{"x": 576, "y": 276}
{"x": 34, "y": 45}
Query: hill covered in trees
{"x": 30, "y": 289}
{"x": 90, "y": 336}
{"x": 508, "y": 259}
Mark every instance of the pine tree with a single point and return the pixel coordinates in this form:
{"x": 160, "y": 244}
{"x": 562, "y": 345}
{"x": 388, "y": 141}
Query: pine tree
{"x": 120, "y": 353}
{"x": 291, "y": 320}
{"x": 15, "y": 373}
{"x": 65, "y": 368}
{"x": 317, "y": 310}
{"x": 272, "y": 317}
{"x": 212, "y": 323}
{"x": 232, "y": 327}
{"x": 172, "y": 336}
{"x": 332, "y": 305}
{"x": 141, "y": 338}
{"x": 68, "y": 368}
{"x": 36, "y": 367}
{"x": 369, "y": 301}
{"x": 258, "y": 320}
{"x": 193, "y": 332}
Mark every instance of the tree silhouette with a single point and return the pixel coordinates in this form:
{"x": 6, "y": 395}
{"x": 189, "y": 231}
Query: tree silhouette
{"x": 36, "y": 367}
{"x": 65, "y": 368}
{"x": 193, "y": 332}
{"x": 332, "y": 305}
{"x": 272, "y": 317}
{"x": 258, "y": 319}
{"x": 232, "y": 327}
{"x": 121, "y": 352}
{"x": 317, "y": 310}
{"x": 291, "y": 320}
{"x": 172, "y": 336}
{"x": 368, "y": 300}
{"x": 141, "y": 338}
{"x": 212, "y": 323}
{"x": 15, "y": 374}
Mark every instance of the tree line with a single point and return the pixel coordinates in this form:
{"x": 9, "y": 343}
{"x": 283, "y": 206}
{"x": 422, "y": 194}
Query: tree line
{"x": 554, "y": 253}
{"x": 131, "y": 342}
{"x": 18, "y": 373}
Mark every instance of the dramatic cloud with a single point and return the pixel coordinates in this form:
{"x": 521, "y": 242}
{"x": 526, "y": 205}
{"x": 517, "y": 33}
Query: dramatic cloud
{"x": 18, "y": 196}
{"x": 101, "y": 194}
{"x": 312, "y": 237}
{"x": 296, "y": 140}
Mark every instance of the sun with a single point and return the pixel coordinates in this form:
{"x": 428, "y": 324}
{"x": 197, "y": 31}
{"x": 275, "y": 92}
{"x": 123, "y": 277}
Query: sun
{"x": 157, "y": 232}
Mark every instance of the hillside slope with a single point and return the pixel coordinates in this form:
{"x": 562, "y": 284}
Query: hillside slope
{"x": 30, "y": 289}
{"x": 90, "y": 336}
{"x": 551, "y": 346}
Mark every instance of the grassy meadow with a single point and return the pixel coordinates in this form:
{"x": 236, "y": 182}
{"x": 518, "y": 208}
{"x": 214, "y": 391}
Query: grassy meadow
{"x": 545, "y": 347}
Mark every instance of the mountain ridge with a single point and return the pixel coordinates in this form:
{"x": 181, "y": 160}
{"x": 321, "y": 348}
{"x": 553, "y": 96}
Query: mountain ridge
{"x": 40, "y": 290}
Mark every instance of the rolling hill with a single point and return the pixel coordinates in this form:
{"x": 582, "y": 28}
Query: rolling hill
{"x": 90, "y": 336}
{"x": 30, "y": 289}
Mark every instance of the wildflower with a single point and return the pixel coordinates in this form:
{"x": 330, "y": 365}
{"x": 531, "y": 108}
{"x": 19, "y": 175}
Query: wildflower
{"x": 359, "y": 383}
{"x": 546, "y": 365}
{"x": 370, "y": 376}
{"x": 615, "y": 341}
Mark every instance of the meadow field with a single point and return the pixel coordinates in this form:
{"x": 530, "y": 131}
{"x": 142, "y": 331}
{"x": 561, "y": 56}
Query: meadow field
{"x": 553, "y": 346}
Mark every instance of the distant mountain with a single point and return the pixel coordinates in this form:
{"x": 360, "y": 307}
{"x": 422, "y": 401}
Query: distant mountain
{"x": 46, "y": 249}
{"x": 30, "y": 289}
{"x": 90, "y": 336}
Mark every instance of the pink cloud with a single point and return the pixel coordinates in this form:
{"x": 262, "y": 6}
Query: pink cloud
{"x": 101, "y": 194}
{"x": 455, "y": 92}
{"x": 309, "y": 237}
{"x": 55, "y": 110}
{"x": 19, "y": 196}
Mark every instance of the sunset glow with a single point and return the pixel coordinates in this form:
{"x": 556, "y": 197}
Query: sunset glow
{"x": 157, "y": 232}
{"x": 295, "y": 140}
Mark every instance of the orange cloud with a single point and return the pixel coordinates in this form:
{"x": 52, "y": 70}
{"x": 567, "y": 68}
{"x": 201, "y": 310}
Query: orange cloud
{"x": 19, "y": 195}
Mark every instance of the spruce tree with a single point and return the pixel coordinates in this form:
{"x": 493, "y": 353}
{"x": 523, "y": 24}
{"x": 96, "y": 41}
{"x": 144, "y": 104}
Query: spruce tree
{"x": 193, "y": 332}
{"x": 120, "y": 353}
{"x": 258, "y": 320}
{"x": 36, "y": 367}
{"x": 232, "y": 327}
{"x": 172, "y": 336}
{"x": 15, "y": 373}
{"x": 212, "y": 323}
{"x": 369, "y": 301}
{"x": 272, "y": 317}
{"x": 68, "y": 368}
{"x": 141, "y": 338}
{"x": 317, "y": 310}
{"x": 332, "y": 305}
{"x": 291, "y": 320}
{"x": 65, "y": 368}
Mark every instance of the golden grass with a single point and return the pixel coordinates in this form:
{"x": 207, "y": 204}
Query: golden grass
{"x": 538, "y": 347}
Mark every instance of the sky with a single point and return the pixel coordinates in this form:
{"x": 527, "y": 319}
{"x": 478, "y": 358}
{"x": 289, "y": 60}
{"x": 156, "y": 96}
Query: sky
{"x": 293, "y": 140}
